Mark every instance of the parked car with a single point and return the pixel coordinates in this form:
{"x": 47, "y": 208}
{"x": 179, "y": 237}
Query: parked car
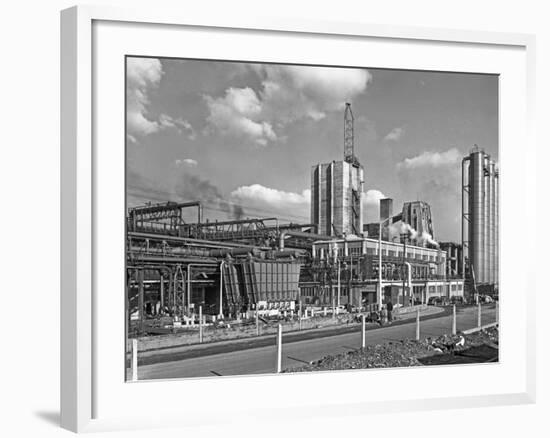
{"x": 438, "y": 301}
{"x": 457, "y": 300}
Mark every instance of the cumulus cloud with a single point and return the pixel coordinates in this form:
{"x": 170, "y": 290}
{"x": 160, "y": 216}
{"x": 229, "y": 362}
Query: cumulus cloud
{"x": 286, "y": 94}
{"x": 181, "y": 125}
{"x": 142, "y": 75}
{"x": 373, "y": 197}
{"x": 431, "y": 159}
{"x": 395, "y": 134}
{"x": 186, "y": 162}
{"x": 238, "y": 113}
{"x": 287, "y": 204}
{"x": 371, "y": 204}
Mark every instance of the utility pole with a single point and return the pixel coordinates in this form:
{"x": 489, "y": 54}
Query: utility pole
{"x": 403, "y": 273}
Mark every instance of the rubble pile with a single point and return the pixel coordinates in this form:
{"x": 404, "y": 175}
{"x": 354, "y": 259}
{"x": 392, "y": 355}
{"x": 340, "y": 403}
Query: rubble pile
{"x": 403, "y": 353}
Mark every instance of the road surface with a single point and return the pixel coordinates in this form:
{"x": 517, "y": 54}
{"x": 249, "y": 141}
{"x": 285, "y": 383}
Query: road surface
{"x": 262, "y": 360}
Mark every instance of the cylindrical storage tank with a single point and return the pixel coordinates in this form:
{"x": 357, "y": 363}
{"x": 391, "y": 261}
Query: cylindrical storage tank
{"x": 497, "y": 225}
{"x": 494, "y": 221}
{"x": 477, "y": 214}
{"x": 485, "y": 221}
{"x": 490, "y": 227}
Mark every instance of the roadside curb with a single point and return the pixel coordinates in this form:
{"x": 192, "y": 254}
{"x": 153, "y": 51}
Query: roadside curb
{"x": 478, "y": 329}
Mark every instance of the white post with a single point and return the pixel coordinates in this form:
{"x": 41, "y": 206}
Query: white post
{"x": 221, "y": 289}
{"x": 363, "y": 338}
{"x": 200, "y": 324}
{"x": 257, "y": 321}
{"x": 454, "y": 319}
{"x": 280, "y": 348}
{"x": 134, "y": 360}
{"x": 300, "y": 317}
{"x": 338, "y": 302}
{"x": 496, "y": 312}
{"x": 333, "y": 308}
{"x": 418, "y": 324}
{"x": 479, "y": 315}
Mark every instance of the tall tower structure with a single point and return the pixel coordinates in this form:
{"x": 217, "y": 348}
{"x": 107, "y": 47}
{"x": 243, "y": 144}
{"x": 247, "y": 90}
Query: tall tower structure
{"x": 480, "y": 217}
{"x": 418, "y": 214}
{"x": 337, "y": 190}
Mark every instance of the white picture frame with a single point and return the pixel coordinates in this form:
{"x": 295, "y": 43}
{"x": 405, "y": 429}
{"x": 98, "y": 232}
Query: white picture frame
{"x": 82, "y": 368}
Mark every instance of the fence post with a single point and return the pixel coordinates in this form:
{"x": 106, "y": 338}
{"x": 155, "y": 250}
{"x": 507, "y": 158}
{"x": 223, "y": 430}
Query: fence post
{"x": 479, "y": 315}
{"x": 257, "y": 321}
{"x": 454, "y": 320}
{"x": 418, "y": 324}
{"x": 496, "y": 312}
{"x": 363, "y": 340}
{"x": 134, "y": 360}
{"x": 279, "y": 348}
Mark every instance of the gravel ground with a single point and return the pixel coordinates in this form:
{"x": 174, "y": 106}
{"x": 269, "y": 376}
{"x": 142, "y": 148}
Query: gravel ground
{"x": 403, "y": 353}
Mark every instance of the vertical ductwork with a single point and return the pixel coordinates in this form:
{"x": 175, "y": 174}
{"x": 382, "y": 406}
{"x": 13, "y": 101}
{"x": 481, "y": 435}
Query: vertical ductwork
{"x": 477, "y": 214}
{"x": 486, "y": 221}
{"x": 465, "y": 182}
{"x": 491, "y": 201}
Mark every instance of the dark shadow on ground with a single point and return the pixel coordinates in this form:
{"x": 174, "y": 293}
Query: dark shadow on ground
{"x": 480, "y": 354}
{"x": 51, "y": 417}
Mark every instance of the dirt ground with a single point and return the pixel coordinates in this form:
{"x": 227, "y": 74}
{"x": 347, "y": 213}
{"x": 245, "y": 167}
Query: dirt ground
{"x": 406, "y": 353}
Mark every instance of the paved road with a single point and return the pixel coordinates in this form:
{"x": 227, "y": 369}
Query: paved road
{"x": 263, "y": 360}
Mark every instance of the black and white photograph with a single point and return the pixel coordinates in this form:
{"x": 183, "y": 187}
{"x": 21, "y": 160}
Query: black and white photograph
{"x": 286, "y": 218}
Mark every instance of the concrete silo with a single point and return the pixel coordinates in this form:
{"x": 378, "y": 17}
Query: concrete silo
{"x": 480, "y": 219}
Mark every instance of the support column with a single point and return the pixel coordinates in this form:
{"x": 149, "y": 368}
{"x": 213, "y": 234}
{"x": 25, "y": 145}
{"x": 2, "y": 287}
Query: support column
{"x": 141, "y": 300}
{"x": 161, "y": 291}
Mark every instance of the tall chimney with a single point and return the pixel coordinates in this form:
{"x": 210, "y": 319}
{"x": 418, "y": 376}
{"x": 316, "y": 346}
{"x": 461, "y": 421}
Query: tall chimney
{"x": 386, "y": 208}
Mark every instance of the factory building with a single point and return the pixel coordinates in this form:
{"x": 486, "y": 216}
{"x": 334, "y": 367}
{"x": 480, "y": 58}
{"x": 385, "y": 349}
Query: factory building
{"x": 418, "y": 215}
{"x": 454, "y": 258}
{"x": 414, "y": 223}
{"x": 337, "y": 190}
{"x": 224, "y": 269}
{"x": 480, "y": 234}
{"x": 353, "y": 272}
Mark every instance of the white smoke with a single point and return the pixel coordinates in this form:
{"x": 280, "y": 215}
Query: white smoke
{"x": 398, "y": 228}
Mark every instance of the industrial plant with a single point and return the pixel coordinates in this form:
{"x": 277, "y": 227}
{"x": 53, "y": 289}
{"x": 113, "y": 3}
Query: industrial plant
{"x": 230, "y": 270}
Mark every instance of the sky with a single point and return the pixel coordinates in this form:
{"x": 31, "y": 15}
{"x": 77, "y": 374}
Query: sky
{"x": 242, "y": 137}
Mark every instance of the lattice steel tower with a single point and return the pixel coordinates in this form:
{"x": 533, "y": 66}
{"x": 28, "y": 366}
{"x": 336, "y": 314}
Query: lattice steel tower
{"x": 349, "y": 154}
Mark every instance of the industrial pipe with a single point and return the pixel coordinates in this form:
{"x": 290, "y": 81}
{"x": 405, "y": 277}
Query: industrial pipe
{"x": 464, "y": 220}
{"x": 286, "y": 253}
{"x": 153, "y": 259}
{"x": 190, "y": 241}
{"x": 303, "y": 234}
{"x": 224, "y": 252}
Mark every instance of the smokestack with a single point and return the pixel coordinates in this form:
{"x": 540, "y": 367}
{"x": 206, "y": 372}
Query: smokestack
{"x": 386, "y": 208}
